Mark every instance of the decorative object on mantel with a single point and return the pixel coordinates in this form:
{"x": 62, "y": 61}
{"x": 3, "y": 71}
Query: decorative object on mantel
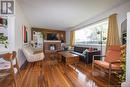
{"x": 3, "y": 40}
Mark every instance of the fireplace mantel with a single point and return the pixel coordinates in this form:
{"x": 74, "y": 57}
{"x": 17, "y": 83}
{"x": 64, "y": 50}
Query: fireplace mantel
{"x": 52, "y": 41}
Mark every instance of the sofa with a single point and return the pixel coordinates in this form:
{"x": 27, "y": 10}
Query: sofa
{"x": 33, "y": 54}
{"x": 85, "y": 54}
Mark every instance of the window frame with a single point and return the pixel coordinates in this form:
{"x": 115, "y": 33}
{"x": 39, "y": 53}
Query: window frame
{"x": 92, "y": 25}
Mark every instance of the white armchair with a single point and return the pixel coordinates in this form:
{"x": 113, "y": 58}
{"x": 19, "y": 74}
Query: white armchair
{"x": 33, "y": 54}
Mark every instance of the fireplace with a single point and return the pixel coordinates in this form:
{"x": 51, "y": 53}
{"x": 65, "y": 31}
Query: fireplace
{"x": 51, "y": 46}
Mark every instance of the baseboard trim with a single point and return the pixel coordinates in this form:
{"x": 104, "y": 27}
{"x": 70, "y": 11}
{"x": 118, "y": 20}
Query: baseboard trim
{"x": 24, "y": 64}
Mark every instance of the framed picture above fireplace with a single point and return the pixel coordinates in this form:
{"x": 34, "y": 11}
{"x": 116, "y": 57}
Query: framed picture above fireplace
{"x": 52, "y": 36}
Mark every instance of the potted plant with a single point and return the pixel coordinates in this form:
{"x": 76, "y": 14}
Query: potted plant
{"x": 3, "y": 40}
{"x": 122, "y": 76}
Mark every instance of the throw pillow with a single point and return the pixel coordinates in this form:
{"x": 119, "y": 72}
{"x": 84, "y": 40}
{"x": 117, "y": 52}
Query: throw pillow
{"x": 85, "y": 52}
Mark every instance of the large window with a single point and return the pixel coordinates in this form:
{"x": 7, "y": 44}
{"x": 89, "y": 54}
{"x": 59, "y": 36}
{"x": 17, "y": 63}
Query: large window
{"x": 93, "y": 34}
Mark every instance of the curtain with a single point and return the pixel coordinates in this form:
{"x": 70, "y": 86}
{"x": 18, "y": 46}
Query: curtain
{"x": 113, "y": 34}
{"x": 72, "y": 38}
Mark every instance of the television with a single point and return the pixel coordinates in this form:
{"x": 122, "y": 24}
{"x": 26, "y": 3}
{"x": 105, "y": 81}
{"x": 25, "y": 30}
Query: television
{"x": 52, "y": 36}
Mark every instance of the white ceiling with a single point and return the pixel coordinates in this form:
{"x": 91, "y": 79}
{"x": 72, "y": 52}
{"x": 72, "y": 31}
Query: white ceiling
{"x": 63, "y": 14}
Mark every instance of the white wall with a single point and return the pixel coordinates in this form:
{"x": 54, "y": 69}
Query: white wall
{"x": 128, "y": 52}
{"x": 20, "y": 20}
{"x": 68, "y": 37}
{"x": 11, "y": 32}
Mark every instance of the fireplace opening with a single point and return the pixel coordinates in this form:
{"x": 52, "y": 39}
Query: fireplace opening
{"x": 52, "y": 47}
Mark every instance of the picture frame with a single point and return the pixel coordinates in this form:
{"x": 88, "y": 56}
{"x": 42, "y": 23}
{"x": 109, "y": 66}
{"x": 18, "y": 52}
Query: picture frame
{"x": 25, "y": 34}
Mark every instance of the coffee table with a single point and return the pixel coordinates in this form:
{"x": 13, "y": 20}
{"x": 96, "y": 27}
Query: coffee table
{"x": 69, "y": 58}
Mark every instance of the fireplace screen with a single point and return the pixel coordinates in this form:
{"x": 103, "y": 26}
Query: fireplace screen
{"x": 52, "y": 47}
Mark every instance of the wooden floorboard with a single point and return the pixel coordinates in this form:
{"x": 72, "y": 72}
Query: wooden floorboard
{"x": 49, "y": 74}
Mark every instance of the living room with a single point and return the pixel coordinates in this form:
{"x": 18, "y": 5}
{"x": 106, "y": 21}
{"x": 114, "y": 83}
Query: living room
{"x": 55, "y": 43}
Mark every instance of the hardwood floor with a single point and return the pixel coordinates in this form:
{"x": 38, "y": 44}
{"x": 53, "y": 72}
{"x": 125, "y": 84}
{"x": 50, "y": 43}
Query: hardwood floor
{"x": 54, "y": 75}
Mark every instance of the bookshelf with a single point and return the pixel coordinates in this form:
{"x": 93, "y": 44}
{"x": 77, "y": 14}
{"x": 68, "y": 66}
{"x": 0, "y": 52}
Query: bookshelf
{"x": 124, "y": 37}
{"x": 124, "y": 31}
{"x": 3, "y": 34}
{"x": 38, "y": 39}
